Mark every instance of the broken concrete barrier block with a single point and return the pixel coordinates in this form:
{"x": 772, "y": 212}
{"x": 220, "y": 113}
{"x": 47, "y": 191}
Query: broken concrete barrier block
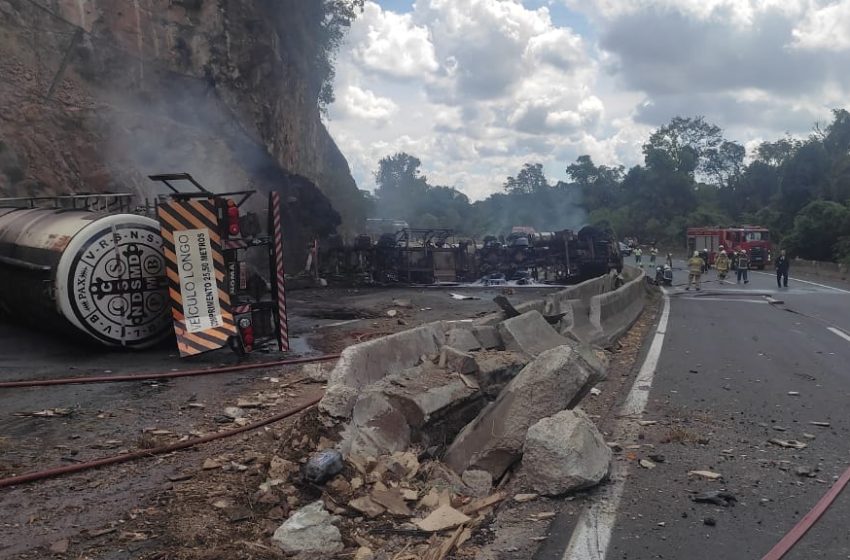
{"x": 457, "y": 361}
{"x": 529, "y": 333}
{"x": 377, "y": 427}
{"x": 565, "y": 452}
{"x": 546, "y": 386}
{"x": 362, "y": 364}
{"x": 488, "y": 337}
{"x": 463, "y": 340}
{"x": 309, "y": 529}
{"x": 496, "y": 369}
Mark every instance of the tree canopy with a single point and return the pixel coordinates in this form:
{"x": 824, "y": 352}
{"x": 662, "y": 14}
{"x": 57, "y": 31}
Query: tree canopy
{"x": 691, "y": 176}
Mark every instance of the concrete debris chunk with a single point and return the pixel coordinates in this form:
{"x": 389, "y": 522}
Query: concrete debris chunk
{"x": 647, "y": 464}
{"x": 234, "y": 412}
{"x": 442, "y": 518}
{"x": 403, "y": 303}
{"x": 478, "y": 483}
{"x": 430, "y": 500}
{"x": 318, "y": 371}
{"x": 309, "y": 529}
{"x": 248, "y": 403}
{"x": 565, "y": 452}
{"x": 210, "y": 464}
{"x": 60, "y": 546}
{"x": 488, "y": 337}
{"x": 463, "y": 340}
{"x": 364, "y": 553}
{"x": 555, "y": 380}
{"x": 392, "y": 313}
{"x": 367, "y": 506}
{"x": 706, "y": 474}
{"x": 281, "y": 469}
{"x": 529, "y": 333}
{"x": 820, "y": 424}
{"x": 457, "y": 361}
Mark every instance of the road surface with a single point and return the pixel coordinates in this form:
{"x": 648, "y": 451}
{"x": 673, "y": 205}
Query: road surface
{"x": 739, "y": 365}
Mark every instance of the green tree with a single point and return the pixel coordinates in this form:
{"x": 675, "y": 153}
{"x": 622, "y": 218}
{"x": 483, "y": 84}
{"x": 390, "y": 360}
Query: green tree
{"x": 530, "y": 179}
{"x": 817, "y": 230}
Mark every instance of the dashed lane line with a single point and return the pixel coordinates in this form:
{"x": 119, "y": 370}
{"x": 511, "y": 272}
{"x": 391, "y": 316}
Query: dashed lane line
{"x": 839, "y": 332}
{"x": 592, "y": 533}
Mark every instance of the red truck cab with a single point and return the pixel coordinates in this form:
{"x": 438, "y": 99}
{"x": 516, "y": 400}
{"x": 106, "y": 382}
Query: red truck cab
{"x": 754, "y": 239}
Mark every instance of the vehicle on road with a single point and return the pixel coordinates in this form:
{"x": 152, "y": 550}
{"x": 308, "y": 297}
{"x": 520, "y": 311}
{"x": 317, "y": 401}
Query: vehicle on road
{"x": 754, "y": 239}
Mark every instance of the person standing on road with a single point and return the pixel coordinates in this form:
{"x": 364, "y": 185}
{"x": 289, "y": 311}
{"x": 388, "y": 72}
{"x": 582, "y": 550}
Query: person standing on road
{"x": 670, "y": 260}
{"x": 638, "y": 257}
{"x": 695, "y": 264}
{"x": 743, "y": 267}
{"x": 782, "y": 266}
{"x": 653, "y": 252}
{"x": 721, "y": 263}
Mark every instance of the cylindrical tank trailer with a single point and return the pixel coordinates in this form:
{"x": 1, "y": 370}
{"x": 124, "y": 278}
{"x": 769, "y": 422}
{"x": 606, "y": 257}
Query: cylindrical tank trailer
{"x": 83, "y": 272}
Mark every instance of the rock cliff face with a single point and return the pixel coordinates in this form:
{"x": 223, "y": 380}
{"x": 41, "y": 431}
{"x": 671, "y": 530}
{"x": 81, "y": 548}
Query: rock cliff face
{"x": 97, "y": 94}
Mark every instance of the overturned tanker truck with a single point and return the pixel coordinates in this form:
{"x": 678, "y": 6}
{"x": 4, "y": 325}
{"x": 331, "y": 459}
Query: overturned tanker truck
{"x": 93, "y": 267}
{"x": 427, "y": 256}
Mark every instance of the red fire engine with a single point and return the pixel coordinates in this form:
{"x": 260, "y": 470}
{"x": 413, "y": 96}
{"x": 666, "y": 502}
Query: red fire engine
{"x": 754, "y": 239}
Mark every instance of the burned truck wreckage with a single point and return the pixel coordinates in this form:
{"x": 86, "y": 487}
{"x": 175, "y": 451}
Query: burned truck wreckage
{"x": 428, "y": 256}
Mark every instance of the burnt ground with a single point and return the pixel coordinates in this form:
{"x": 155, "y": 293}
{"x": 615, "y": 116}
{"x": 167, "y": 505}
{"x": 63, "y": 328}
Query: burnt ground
{"x": 93, "y": 421}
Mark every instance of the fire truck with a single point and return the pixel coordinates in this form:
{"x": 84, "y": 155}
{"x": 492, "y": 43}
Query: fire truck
{"x": 754, "y": 239}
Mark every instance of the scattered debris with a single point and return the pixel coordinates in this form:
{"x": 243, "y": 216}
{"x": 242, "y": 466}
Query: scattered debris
{"x": 367, "y": 506}
{"x": 309, "y": 529}
{"x": 595, "y": 392}
{"x": 542, "y": 516}
{"x": 809, "y": 436}
{"x": 647, "y": 422}
{"x": 793, "y": 393}
{"x": 462, "y": 297}
{"x": 716, "y": 497}
{"x": 392, "y": 313}
{"x": 791, "y": 443}
{"x": 444, "y": 517}
{"x": 233, "y": 412}
{"x": 323, "y": 466}
{"x": 179, "y": 477}
{"x": 210, "y": 464}
{"x": 658, "y": 458}
{"x": 248, "y": 403}
{"x": 820, "y": 424}
{"x": 809, "y": 472}
{"x": 393, "y": 500}
{"x": 522, "y": 498}
{"x": 47, "y": 413}
{"x": 647, "y": 464}
{"x": 710, "y": 521}
{"x": 403, "y": 303}
{"x": 706, "y": 474}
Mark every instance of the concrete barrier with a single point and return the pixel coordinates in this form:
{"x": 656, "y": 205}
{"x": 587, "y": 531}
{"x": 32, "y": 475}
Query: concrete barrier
{"x": 612, "y": 313}
{"x": 362, "y": 364}
{"x": 831, "y": 270}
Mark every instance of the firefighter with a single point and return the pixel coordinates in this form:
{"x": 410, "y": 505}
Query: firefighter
{"x": 721, "y": 263}
{"x": 638, "y": 257}
{"x": 782, "y": 266}
{"x": 670, "y": 260}
{"x": 695, "y": 264}
{"x": 653, "y": 252}
{"x": 743, "y": 267}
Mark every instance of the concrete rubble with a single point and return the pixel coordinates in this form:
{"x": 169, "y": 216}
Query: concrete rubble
{"x": 529, "y": 333}
{"x": 310, "y": 529}
{"x": 563, "y": 453}
{"x": 548, "y": 385}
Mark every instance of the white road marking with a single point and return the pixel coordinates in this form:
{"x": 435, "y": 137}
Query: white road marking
{"x": 736, "y": 300}
{"x": 839, "y": 332}
{"x": 592, "y": 534}
{"x": 806, "y": 282}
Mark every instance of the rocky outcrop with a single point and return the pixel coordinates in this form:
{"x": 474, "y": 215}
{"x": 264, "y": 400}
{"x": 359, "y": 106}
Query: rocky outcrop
{"x": 98, "y": 94}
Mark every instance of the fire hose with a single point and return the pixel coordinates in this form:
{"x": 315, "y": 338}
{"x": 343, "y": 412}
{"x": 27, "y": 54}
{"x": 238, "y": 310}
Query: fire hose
{"x": 161, "y": 375}
{"x": 116, "y": 459}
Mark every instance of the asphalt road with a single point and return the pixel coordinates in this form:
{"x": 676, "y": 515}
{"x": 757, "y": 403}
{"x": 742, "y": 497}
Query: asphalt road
{"x": 730, "y": 363}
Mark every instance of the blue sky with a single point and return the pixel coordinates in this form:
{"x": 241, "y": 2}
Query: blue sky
{"x": 477, "y": 88}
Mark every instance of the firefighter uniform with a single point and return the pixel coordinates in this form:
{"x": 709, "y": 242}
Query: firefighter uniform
{"x": 721, "y": 263}
{"x": 695, "y": 264}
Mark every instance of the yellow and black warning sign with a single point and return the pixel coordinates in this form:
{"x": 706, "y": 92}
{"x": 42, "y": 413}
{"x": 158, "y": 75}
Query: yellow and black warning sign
{"x": 200, "y": 306}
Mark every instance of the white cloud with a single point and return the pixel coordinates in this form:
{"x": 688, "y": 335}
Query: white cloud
{"x": 477, "y": 88}
{"x": 390, "y": 43}
{"x": 364, "y": 104}
{"x": 826, "y": 28}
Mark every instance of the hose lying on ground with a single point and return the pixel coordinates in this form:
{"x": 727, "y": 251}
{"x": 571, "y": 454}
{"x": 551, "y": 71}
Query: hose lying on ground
{"x": 161, "y": 375}
{"x": 116, "y": 459}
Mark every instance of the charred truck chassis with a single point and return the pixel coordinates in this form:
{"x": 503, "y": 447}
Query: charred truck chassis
{"x": 427, "y": 256}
